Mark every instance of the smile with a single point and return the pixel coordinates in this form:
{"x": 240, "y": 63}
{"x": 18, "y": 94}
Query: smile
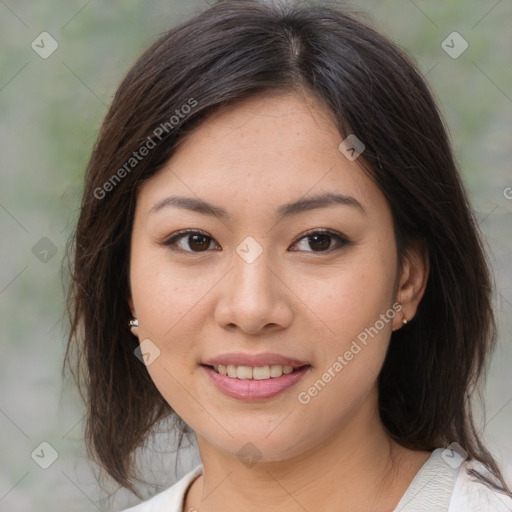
{"x": 254, "y": 383}
{"x": 253, "y": 372}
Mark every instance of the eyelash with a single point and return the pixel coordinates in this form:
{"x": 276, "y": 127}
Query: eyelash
{"x": 340, "y": 239}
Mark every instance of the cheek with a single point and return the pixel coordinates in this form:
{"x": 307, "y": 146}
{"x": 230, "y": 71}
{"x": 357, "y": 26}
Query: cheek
{"x": 351, "y": 296}
{"x": 352, "y": 338}
{"x": 166, "y": 295}
{"x": 168, "y": 303}
{"x": 349, "y": 354}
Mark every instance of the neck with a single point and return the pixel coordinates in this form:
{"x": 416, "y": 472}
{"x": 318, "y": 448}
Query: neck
{"x": 358, "y": 468}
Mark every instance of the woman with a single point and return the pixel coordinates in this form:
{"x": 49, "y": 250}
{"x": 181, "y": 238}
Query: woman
{"x": 275, "y": 249}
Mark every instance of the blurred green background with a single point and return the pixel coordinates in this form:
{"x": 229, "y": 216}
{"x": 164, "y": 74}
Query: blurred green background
{"x": 50, "y": 112}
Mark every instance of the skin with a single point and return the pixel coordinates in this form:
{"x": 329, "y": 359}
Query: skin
{"x": 332, "y": 454}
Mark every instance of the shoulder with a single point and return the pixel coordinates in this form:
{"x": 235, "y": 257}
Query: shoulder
{"x": 470, "y": 494}
{"x": 170, "y": 500}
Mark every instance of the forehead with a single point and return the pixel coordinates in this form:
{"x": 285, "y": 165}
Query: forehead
{"x": 261, "y": 151}
{"x": 299, "y": 118}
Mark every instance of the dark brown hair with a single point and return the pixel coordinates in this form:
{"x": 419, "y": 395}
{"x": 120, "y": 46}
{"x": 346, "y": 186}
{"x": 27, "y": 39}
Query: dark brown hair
{"x": 226, "y": 54}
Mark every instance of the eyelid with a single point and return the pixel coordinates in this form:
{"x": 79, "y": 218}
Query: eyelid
{"x": 341, "y": 239}
{"x": 175, "y": 237}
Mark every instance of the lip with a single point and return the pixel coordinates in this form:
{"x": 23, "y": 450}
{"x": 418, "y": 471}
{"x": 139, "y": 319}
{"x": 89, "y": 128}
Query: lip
{"x": 255, "y": 390}
{"x": 264, "y": 359}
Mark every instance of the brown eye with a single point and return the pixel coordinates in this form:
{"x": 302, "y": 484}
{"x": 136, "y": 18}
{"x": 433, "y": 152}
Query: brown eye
{"x": 189, "y": 241}
{"x": 198, "y": 242}
{"x": 321, "y": 241}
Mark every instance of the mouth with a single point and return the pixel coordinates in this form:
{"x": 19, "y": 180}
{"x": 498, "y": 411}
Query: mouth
{"x": 266, "y": 372}
{"x": 254, "y": 383}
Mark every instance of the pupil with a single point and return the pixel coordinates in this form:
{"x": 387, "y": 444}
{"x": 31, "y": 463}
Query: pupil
{"x": 324, "y": 241}
{"x": 199, "y": 245}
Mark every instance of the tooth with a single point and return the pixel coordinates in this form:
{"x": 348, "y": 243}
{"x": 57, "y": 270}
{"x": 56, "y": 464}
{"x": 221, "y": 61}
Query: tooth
{"x": 261, "y": 372}
{"x": 256, "y": 372}
{"x": 244, "y": 372}
{"x": 276, "y": 370}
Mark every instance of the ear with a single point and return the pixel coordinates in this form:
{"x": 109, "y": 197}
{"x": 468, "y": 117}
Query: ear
{"x": 412, "y": 282}
{"x": 135, "y": 330}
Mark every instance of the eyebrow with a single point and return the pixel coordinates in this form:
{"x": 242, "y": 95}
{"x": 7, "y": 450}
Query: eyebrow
{"x": 286, "y": 210}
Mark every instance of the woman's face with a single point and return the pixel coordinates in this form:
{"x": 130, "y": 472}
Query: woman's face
{"x": 274, "y": 275}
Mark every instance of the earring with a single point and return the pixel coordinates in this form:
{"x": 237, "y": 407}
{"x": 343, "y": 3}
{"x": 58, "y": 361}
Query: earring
{"x": 134, "y": 322}
{"x": 404, "y": 321}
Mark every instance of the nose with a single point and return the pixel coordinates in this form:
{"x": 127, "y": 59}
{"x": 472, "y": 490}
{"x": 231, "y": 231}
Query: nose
{"x": 254, "y": 298}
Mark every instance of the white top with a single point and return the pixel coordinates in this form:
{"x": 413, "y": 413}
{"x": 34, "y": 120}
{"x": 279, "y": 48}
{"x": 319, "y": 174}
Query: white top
{"x": 439, "y": 486}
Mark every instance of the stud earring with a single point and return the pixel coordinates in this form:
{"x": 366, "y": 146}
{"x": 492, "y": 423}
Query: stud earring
{"x": 404, "y": 321}
{"x": 134, "y": 322}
